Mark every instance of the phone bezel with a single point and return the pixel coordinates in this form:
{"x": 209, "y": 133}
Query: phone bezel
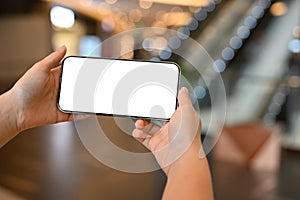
{"x": 109, "y": 114}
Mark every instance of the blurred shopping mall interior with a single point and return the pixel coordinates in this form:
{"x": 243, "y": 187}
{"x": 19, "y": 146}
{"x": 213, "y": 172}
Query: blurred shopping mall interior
{"x": 240, "y": 60}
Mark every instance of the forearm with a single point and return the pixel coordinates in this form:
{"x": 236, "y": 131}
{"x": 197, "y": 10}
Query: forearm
{"x": 189, "y": 177}
{"x": 8, "y": 119}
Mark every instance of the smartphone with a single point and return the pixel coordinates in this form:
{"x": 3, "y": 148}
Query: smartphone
{"x": 139, "y": 89}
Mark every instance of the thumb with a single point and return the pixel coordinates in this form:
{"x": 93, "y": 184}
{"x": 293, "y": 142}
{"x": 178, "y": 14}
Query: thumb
{"x": 183, "y": 97}
{"x": 53, "y": 59}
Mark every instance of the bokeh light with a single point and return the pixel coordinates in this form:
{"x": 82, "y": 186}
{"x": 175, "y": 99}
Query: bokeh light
{"x": 243, "y": 32}
{"x": 174, "y": 42}
{"x": 145, "y": 4}
{"x": 219, "y": 65}
{"x": 200, "y": 92}
{"x": 135, "y": 15}
{"x": 154, "y": 59}
{"x": 183, "y": 33}
{"x": 294, "y": 46}
{"x": 258, "y": 12}
{"x": 160, "y": 43}
{"x": 210, "y": 7}
{"x": 148, "y": 44}
{"x": 265, "y": 3}
{"x": 228, "y": 53}
{"x": 296, "y": 32}
{"x": 111, "y": 1}
{"x": 62, "y": 17}
{"x": 165, "y": 53}
{"x": 250, "y": 21}
{"x": 200, "y": 14}
{"x": 278, "y": 9}
{"x": 89, "y": 45}
{"x": 108, "y": 24}
{"x": 193, "y": 24}
{"x": 236, "y": 42}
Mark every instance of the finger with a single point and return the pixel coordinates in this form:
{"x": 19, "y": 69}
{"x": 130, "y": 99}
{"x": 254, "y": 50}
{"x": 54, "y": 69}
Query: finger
{"x": 56, "y": 71}
{"x": 80, "y": 116}
{"x": 57, "y": 68}
{"x": 141, "y": 137}
{"x": 140, "y": 124}
{"x": 147, "y": 127}
{"x": 183, "y": 97}
{"x": 163, "y": 143}
{"x": 146, "y": 142}
{"x": 64, "y": 117}
{"x": 136, "y": 133}
{"x": 150, "y": 128}
{"x": 157, "y": 140}
{"x": 53, "y": 59}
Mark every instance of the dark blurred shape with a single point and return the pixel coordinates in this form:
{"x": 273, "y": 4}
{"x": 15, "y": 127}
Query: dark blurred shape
{"x": 25, "y": 37}
{"x": 17, "y": 6}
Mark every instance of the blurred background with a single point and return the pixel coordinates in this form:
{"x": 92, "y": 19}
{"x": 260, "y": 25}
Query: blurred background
{"x": 253, "y": 44}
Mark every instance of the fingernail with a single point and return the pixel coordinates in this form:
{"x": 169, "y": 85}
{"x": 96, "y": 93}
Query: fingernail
{"x": 184, "y": 89}
{"x": 136, "y": 133}
{"x": 61, "y": 48}
{"x": 136, "y": 124}
{"x": 139, "y": 124}
{"x": 201, "y": 153}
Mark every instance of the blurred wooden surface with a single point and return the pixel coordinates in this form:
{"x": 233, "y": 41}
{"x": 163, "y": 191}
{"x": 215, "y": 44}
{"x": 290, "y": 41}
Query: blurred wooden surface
{"x": 51, "y": 163}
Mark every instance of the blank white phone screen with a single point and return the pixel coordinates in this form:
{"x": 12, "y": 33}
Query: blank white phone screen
{"x": 119, "y": 87}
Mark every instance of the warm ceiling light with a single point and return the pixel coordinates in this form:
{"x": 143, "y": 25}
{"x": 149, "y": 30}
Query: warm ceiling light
{"x": 111, "y": 1}
{"x": 294, "y": 81}
{"x": 135, "y": 15}
{"x": 145, "y": 4}
{"x": 194, "y": 3}
{"x": 176, "y": 18}
{"x": 108, "y": 24}
{"x": 176, "y": 9}
{"x": 278, "y": 9}
{"x": 296, "y": 32}
{"x": 86, "y": 3}
{"x": 62, "y": 17}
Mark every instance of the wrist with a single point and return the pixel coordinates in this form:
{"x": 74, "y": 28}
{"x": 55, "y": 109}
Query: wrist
{"x": 189, "y": 176}
{"x": 9, "y": 114}
{"x": 188, "y": 158}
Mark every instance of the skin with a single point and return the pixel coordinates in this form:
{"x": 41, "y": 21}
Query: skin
{"x": 32, "y": 100}
{"x": 176, "y": 146}
{"x": 188, "y": 175}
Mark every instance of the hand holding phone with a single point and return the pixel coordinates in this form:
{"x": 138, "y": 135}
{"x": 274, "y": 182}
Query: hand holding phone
{"x": 140, "y": 89}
